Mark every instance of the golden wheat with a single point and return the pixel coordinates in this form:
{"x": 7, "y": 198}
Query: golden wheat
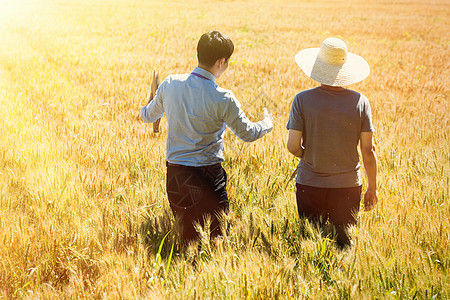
{"x": 83, "y": 209}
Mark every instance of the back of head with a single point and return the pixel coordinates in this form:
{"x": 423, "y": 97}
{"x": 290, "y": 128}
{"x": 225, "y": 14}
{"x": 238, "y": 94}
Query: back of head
{"x": 213, "y": 46}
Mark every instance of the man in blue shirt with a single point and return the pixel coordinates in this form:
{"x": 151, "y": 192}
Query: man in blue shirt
{"x": 198, "y": 111}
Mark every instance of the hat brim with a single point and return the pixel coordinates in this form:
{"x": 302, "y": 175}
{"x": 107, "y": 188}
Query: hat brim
{"x": 355, "y": 68}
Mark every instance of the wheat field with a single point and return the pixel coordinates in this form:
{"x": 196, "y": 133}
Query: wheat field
{"x": 83, "y": 208}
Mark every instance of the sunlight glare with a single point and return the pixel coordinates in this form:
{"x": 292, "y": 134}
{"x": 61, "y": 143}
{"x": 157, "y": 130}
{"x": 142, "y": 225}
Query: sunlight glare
{"x": 9, "y": 9}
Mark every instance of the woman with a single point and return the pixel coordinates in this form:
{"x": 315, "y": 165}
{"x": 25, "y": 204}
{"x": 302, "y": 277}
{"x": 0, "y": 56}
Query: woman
{"x": 325, "y": 126}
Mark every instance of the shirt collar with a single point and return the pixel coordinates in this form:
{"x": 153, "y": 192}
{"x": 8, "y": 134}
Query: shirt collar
{"x": 205, "y": 73}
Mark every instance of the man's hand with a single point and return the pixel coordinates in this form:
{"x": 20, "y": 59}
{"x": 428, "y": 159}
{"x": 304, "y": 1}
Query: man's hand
{"x": 267, "y": 118}
{"x": 370, "y": 199}
{"x": 267, "y": 115}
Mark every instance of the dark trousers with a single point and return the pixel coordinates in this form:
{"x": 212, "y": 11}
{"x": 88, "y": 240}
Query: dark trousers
{"x": 194, "y": 193}
{"x": 339, "y": 206}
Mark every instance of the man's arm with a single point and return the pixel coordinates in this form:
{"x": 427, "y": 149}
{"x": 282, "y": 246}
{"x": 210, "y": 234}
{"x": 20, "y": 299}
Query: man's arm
{"x": 370, "y": 165}
{"x": 242, "y": 127}
{"x": 154, "y": 110}
{"x": 294, "y": 143}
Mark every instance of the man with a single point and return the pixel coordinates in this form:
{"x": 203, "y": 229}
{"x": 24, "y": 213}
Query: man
{"x": 198, "y": 111}
{"x": 325, "y": 126}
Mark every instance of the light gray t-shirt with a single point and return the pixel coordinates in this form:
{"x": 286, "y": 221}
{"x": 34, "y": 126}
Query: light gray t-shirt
{"x": 331, "y": 123}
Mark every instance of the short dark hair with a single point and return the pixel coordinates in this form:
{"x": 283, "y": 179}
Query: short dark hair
{"x": 213, "y": 46}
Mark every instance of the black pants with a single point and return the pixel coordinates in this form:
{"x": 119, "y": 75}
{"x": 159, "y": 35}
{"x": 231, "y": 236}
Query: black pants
{"x": 195, "y": 192}
{"x": 339, "y": 206}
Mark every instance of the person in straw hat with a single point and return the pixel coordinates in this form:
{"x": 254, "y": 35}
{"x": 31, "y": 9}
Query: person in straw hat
{"x": 325, "y": 125}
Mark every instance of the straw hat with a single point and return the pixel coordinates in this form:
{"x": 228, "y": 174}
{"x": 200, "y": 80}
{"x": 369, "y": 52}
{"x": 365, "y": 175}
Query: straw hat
{"x": 331, "y": 64}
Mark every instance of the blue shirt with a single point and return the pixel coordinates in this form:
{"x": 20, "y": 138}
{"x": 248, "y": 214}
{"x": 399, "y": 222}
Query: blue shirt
{"x": 198, "y": 111}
